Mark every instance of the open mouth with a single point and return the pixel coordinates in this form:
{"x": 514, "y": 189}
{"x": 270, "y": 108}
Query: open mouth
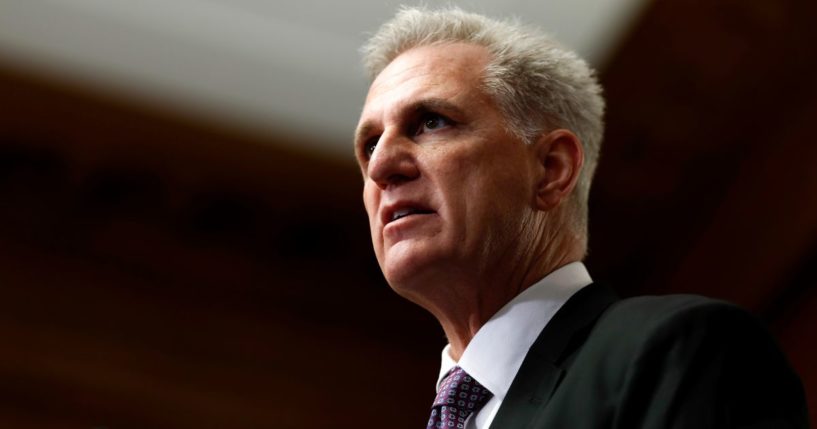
{"x": 401, "y": 213}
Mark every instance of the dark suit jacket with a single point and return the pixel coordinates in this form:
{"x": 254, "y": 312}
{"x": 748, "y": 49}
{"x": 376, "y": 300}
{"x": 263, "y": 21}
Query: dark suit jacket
{"x": 652, "y": 362}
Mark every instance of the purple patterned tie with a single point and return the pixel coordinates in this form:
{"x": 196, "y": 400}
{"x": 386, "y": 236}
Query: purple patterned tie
{"x": 459, "y": 397}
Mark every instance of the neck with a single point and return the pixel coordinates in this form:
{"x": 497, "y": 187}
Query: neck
{"x": 475, "y": 301}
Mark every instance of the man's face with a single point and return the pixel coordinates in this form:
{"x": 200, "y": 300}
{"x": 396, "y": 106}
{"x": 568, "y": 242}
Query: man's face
{"x": 447, "y": 188}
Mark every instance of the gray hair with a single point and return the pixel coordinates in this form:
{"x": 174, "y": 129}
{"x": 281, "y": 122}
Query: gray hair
{"x": 537, "y": 84}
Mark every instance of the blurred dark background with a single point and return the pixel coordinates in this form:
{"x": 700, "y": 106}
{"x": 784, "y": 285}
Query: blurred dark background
{"x": 160, "y": 270}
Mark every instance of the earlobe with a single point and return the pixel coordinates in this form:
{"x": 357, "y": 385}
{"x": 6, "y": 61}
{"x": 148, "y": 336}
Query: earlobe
{"x": 560, "y": 156}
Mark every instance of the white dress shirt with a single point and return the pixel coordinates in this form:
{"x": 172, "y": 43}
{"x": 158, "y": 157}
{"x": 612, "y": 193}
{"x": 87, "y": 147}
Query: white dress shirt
{"x": 496, "y": 352}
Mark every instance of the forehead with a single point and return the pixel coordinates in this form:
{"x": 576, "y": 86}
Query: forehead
{"x": 450, "y": 71}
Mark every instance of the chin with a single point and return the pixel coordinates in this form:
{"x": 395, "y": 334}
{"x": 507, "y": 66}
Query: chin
{"x": 402, "y": 276}
{"x": 412, "y": 270}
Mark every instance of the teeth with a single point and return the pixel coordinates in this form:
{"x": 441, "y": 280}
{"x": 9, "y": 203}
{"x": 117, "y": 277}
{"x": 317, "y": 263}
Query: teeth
{"x": 400, "y": 213}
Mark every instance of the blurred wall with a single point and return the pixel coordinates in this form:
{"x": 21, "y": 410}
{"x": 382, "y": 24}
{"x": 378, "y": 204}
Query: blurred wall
{"x": 160, "y": 271}
{"x": 707, "y": 181}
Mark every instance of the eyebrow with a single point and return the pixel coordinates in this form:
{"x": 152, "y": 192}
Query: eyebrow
{"x": 432, "y": 104}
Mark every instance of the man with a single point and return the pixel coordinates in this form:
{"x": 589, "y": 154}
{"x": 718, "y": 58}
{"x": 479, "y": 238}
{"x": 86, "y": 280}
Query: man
{"x": 477, "y": 144}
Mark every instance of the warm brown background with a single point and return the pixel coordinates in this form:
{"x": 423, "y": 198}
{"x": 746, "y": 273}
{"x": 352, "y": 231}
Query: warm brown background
{"x": 157, "y": 272}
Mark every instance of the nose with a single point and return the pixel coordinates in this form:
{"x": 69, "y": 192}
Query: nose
{"x": 393, "y": 161}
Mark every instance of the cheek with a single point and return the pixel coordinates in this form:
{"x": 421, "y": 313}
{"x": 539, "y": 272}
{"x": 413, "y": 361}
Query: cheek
{"x": 493, "y": 195}
{"x": 371, "y": 202}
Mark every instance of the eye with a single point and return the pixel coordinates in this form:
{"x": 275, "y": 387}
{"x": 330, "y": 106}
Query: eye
{"x": 369, "y": 146}
{"x": 432, "y": 122}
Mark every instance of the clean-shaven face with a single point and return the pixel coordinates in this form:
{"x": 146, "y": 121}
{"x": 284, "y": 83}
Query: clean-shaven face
{"x": 447, "y": 187}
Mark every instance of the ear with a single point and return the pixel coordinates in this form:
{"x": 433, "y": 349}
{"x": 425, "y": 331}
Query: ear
{"x": 560, "y": 156}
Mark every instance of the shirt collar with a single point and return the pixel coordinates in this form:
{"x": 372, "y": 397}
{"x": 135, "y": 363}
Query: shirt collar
{"x": 496, "y": 352}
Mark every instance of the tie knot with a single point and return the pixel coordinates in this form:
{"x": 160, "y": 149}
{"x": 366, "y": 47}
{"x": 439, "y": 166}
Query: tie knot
{"x": 459, "y": 397}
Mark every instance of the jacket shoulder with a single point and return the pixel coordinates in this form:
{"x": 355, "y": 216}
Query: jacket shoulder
{"x": 646, "y": 315}
{"x": 691, "y": 359}
{"x": 642, "y": 326}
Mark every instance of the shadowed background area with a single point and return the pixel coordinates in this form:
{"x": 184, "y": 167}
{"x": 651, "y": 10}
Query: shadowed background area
{"x": 169, "y": 261}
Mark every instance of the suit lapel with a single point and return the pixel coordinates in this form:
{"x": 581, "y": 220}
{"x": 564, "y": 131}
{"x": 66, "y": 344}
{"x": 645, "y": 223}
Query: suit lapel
{"x": 542, "y": 370}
